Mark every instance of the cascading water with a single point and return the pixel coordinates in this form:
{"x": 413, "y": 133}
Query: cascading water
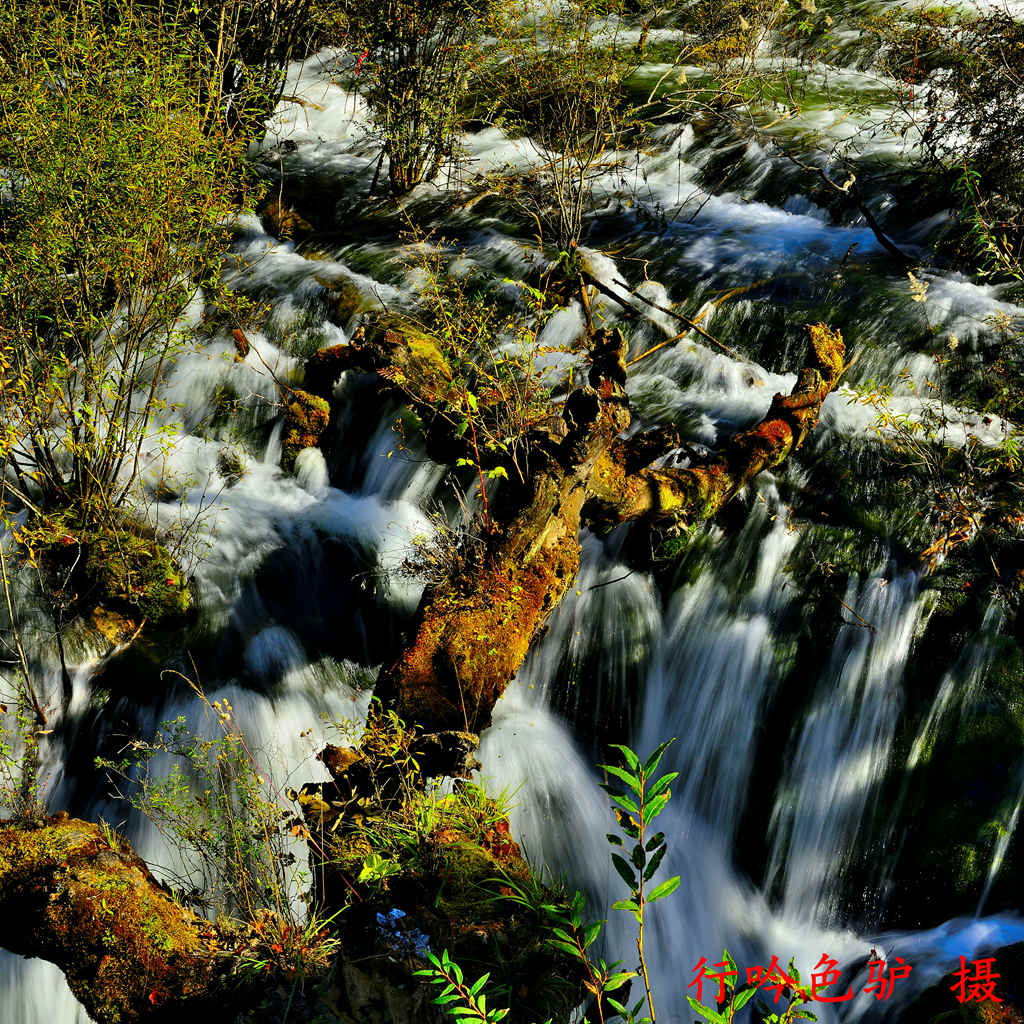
{"x": 286, "y": 559}
{"x": 843, "y": 747}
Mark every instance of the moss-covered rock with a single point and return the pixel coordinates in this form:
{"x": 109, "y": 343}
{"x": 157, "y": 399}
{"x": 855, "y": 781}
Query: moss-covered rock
{"x": 126, "y": 568}
{"x": 118, "y": 567}
{"x": 306, "y": 418}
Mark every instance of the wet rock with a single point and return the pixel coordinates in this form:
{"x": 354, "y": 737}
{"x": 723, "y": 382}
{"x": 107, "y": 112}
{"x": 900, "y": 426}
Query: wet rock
{"x": 939, "y": 1005}
{"x": 283, "y": 222}
{"x": 306, "y": 418}
{"x": 323, "y": 368}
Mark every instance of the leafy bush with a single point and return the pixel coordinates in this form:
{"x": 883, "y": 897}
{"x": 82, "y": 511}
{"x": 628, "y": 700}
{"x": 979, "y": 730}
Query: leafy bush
{"x": 415, "y": 58}
{"x": 211, "y": 799}
{"x": 119, "y": 180}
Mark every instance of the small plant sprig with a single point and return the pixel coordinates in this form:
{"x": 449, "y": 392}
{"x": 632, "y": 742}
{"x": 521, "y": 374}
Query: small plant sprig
{"x": 572, "y": 936}
{"x": 471, "y": 998}
{"x": 638, "y": 805}
{"x": 643, "y": 800}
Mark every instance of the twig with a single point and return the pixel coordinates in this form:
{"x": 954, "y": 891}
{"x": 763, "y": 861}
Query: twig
{"x": 700, "y": 316}
{"x": 692, "y": 325}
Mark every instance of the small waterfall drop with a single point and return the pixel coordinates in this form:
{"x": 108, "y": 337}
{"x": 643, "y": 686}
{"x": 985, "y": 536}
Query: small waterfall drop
{"x": 843, "y": 746}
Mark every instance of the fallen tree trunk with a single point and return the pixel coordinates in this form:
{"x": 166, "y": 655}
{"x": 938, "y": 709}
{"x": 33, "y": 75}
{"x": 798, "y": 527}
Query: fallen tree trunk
{"x": 129, "y": 951}
{"x": 620, "y": 492}
{"x": 125, "y": 946}
{"x": 472, "y": 632}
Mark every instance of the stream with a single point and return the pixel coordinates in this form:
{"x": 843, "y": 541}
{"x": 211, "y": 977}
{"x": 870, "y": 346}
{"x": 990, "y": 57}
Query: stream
{"x": 800, "y": 746}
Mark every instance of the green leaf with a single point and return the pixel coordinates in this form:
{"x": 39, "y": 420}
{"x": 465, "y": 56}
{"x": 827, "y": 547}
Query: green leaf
{"x": 805, "y": 1015}
{"x": 661, "y": 784}
{"x": 620, "y": 773}
{"x": 631, "y": 759}
{"x": 617, "y": 1006}
{"x": 743, "y": 998}
{"x": 656, "y": 840}
{"x": 564, "y": 947}
{"x": 592, "y": 933}
{"x": 793, "y": 972}
{"x": 651, "y": 764}
{"x": 732, "y": 967}
{"x": 638, "y": 857}
{"x": 629, "y": 828}
{"x": 707, "y": 1013}
{"x": 626, "y": 802}
{"x": 478, "y": 984}
{"x": 624, "y": 870}
{"x": 497, "y": 472}
{"x": 656, "y": 806}
{"x": 665, "y": 889}
{"x": 655, "y": 863}
{"x": 614, "y": 981}
{"x": 629, "y": 905}
{"x": 614, "y": 839}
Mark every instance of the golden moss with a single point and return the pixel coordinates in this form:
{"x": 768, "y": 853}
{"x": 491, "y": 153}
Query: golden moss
{"x": 122, "y": 942}
{"x": 306, "y": 418}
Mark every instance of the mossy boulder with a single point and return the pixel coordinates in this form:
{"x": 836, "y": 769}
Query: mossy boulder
{"x": 284, "y": 222}
{"x": 306, "y": 418}
{"x": 118, "y": 567}
{"x": 126, "y": 568}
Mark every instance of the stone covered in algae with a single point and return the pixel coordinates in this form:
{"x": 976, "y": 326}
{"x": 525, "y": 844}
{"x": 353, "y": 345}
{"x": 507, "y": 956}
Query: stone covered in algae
{"x": 306, "y": 418}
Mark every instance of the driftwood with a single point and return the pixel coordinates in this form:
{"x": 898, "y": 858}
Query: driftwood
{"x": 472, "y": 632}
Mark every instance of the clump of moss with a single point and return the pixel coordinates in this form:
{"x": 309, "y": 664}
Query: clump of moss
{"x": 306, "y": 418}
{"x": 126, "y": 568}
{"x": 119, "y": 564}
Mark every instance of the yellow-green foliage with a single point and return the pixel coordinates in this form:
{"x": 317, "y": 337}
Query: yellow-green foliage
{"x": 120, "y": 181}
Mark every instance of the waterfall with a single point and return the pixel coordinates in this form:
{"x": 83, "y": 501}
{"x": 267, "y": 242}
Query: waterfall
{"x": 843, "y": 746}
{"x": 1006, "y": 833}
{"x": 299, "y": 583}
{"x": 710, "y": 683}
